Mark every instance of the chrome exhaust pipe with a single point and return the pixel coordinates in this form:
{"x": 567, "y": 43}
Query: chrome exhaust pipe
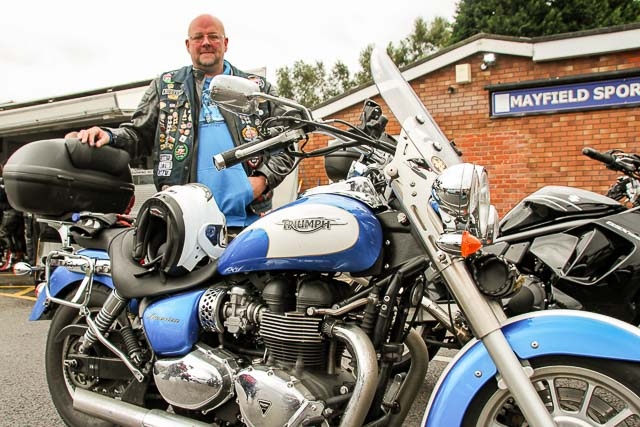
{"x": 126, "y": 414}
{"x": 415, "y": 377}
{"x": 367, "y": 379}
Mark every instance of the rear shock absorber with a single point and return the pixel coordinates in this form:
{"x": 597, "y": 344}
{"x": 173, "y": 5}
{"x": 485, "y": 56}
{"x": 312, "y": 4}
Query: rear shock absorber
{"x": 131, "y": 342}
{"x": 111, "y": 309}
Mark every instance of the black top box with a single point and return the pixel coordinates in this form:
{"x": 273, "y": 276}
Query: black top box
{"x": 57, "y": 177}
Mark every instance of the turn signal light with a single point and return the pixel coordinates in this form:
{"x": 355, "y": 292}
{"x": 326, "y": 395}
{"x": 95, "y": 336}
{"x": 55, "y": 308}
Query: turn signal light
{"x": 470, "y": 244}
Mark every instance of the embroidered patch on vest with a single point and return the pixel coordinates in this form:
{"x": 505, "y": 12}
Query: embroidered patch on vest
{"x": 181, "y": 152}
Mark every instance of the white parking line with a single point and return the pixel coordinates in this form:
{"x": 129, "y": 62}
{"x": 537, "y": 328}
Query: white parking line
{"x": 442, "y": 359}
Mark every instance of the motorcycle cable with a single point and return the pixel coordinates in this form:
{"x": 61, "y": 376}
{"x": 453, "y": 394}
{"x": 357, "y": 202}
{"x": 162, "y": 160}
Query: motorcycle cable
{"x": 407, "y": 329}
{"x": 384, "y": 328}
{"x": 336, "y": 147}
{"x": 334, "y": 131}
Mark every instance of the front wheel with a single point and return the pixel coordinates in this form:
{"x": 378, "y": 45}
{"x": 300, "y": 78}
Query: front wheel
{"x": 576, "y": 392}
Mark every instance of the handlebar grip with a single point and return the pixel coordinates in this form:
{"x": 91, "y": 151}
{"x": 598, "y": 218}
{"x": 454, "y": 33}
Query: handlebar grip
{"x": 605, "y": 158}
{"x": 234, "y": 156}
{"x": 246, "y": 151}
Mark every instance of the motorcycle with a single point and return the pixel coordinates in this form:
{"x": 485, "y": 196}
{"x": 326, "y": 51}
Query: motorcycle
{"x": 165, "y": 323}
{"x": 576, "y": 247}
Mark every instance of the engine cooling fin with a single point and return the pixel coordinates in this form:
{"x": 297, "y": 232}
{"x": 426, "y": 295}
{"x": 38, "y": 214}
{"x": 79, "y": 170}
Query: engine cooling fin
{"x": 294, "y": 338}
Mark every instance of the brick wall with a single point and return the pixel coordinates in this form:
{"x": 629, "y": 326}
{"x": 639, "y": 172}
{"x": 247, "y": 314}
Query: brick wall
{"x": 521, "y": 154}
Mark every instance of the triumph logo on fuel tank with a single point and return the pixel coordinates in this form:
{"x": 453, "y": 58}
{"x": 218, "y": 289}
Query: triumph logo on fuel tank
{"x": 163, "y": 319}
{"x": 310, "y": 225}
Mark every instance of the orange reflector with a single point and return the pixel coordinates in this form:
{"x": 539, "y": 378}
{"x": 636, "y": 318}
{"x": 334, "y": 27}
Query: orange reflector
{"x": 470, "y": 244}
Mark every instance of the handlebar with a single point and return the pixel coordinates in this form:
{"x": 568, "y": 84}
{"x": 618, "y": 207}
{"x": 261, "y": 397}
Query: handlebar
{"x": 616, "y": 160}
{"x": 605, "y": 158}
{"x": 246, "y": 151}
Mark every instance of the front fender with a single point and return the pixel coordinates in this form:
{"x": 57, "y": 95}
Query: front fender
{"x": 531, "y": 335}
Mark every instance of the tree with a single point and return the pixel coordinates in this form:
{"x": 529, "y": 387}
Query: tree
{"x": 303, "y": 82}
{"x": 533, "y": 18}
{"x": 424, "y": 40}
{"x": 310, "y": 85}
{"x": 364, "y": 75}
{"x": 339, "y": 81}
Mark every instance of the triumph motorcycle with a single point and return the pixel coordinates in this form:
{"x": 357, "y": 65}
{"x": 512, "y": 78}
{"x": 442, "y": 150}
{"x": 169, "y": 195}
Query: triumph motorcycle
{"x": 166, "y": 323}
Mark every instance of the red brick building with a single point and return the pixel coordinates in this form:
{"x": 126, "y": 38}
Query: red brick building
{"x": 526, "y": 115}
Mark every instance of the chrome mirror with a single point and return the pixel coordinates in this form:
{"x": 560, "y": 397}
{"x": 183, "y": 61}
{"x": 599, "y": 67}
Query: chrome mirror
{"x": 22, "y": 268}
{"x": 235, "y": 93}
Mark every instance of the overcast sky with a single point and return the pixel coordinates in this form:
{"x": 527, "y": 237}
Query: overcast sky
{"x": 52, "y": 48}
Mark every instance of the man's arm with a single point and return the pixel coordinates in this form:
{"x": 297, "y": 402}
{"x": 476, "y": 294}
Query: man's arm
{"x": 138, "y": 135}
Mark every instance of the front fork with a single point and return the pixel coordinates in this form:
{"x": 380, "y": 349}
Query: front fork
{"x": 485, "y": 318}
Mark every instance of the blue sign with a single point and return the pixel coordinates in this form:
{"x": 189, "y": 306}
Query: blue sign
{"x": 576, "y": 96}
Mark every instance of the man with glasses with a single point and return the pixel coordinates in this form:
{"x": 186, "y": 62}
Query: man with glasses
{"x": 178, "y": 125}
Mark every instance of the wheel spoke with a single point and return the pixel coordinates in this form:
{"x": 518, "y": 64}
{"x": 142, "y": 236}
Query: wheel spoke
{"x": 586, "y": 401}
{"x": 553, "y": 394}
{"x": 621, "y": 416}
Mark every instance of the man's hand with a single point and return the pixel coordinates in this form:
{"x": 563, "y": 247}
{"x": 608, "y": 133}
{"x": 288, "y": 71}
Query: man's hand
{"x": 93, "y": 136}
{"x": 259, "y": 185}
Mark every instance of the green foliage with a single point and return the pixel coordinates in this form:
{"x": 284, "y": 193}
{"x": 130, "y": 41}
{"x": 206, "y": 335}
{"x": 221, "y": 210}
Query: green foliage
{"x": 364, "y": 75}
{"x": 308, "y": 80}
{"x": 533, "y": 18}
{"x": 310, "y": 85}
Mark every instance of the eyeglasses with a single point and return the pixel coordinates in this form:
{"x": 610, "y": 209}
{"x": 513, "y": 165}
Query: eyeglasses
{"x": 213, "y": 37}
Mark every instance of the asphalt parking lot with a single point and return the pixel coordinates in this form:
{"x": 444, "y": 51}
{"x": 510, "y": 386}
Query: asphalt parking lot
{"x": 24, "y": 396}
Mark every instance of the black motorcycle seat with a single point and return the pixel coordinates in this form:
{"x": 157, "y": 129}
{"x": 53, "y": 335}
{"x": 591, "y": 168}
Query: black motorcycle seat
{"x": 135, "y": 281}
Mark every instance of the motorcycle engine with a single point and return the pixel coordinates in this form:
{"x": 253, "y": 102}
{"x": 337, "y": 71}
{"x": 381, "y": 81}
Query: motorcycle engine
{"x": 201, "y": 380}
{"x": 300, "y": 370}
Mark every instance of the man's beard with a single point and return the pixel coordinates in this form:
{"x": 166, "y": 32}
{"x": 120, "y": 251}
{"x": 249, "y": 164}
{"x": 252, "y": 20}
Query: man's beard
{"x": 213, "y": 61}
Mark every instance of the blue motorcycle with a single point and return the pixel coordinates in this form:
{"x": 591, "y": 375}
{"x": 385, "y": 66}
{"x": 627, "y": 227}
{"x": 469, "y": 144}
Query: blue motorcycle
{"x": 167, "y": 323}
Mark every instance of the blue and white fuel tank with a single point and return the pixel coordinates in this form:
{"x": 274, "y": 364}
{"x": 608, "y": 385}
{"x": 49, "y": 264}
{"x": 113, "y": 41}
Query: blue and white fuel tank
{"x": 333, "y": 228}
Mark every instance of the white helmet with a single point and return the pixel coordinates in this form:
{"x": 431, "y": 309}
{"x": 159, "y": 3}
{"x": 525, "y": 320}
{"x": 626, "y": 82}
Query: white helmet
{"x": 178, "y": 227}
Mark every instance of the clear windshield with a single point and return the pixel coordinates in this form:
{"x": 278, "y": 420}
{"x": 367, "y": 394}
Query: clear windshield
{"x": 414, "y": 118}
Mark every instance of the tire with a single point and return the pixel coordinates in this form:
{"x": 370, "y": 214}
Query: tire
{"x": 588, "y": 392}
{"x": 60, "y": 379}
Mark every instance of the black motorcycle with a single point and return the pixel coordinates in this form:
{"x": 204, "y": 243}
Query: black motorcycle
{"x": 578, "y": 249}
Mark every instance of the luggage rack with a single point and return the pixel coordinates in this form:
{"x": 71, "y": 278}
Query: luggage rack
{"x": 62, "y": 228}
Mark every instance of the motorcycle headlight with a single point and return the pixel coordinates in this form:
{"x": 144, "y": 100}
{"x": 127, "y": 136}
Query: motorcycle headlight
{"x": 494, "y": 224}
{"x": 461, "y": 193}
{"x": 484, "y": 202}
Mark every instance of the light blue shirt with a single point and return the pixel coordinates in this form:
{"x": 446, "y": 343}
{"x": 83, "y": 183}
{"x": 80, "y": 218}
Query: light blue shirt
{"x": 230, "y": 187}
